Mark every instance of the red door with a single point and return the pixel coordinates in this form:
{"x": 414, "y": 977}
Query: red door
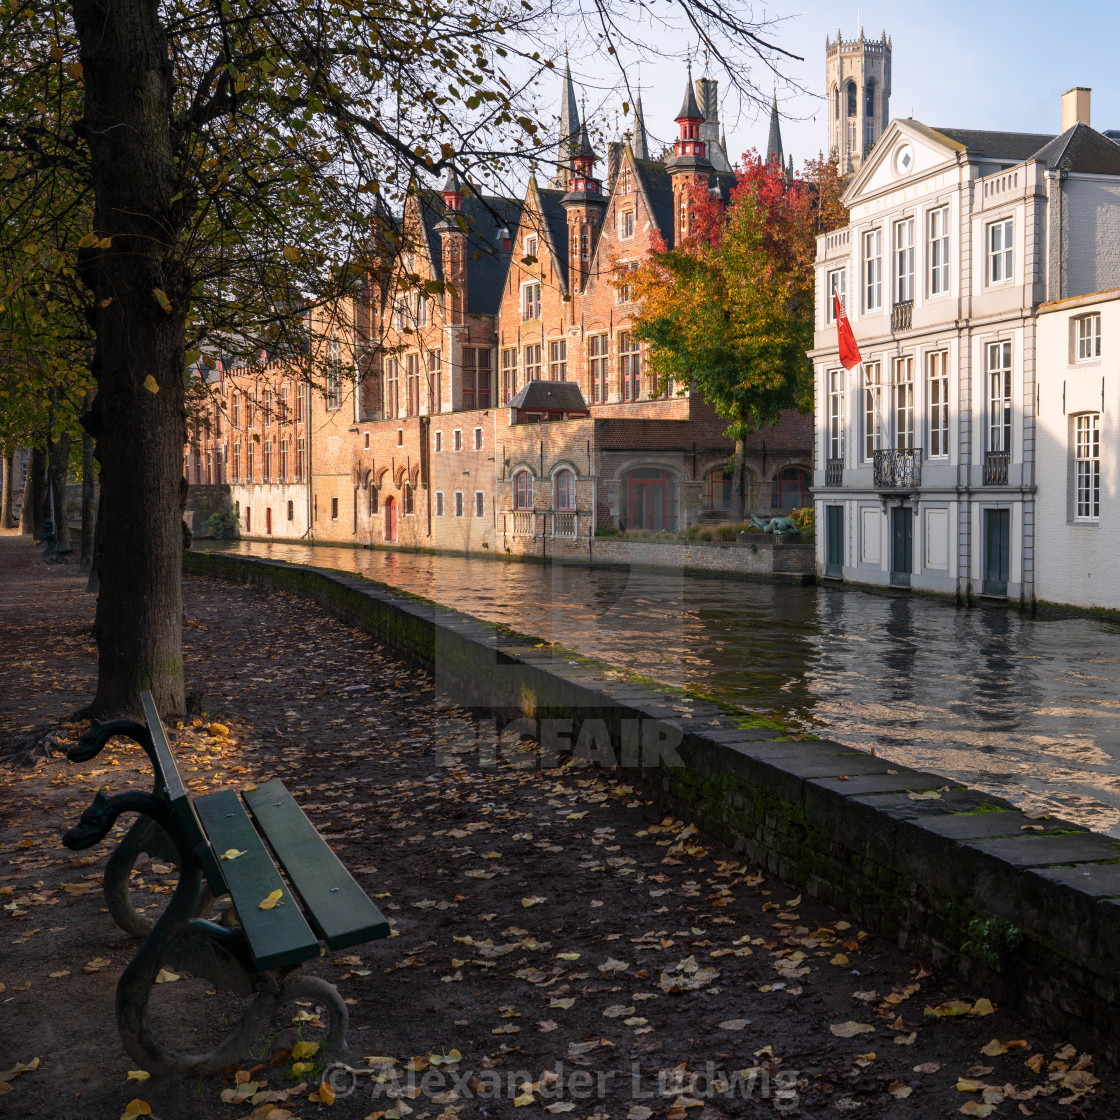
{"x": 391, "y": 519}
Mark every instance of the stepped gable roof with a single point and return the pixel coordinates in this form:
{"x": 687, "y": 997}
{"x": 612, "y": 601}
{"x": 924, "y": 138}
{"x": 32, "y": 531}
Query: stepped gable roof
{"x": 550, "y": 396}
{"x": 1015, "y": 146}
{"x": 555, "y": 220}
{"x": 1081, "y": 148}
{"x": 487, "y": 262}
{"x": 657, "y": 188}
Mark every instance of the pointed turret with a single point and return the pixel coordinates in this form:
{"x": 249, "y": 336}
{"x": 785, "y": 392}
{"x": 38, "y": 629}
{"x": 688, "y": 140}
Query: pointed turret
{"x": 584, "y": 204}
{"x": 640, "y": 144}
{"x": 689, "y": 169}
{"x": 451, "y": 192}
{"x": 774, "y": 153}
{"x": 569, "y": 132}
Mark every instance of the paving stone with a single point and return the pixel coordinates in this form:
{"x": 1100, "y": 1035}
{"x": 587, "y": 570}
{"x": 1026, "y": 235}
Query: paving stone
{"x": 1036, "y": 851}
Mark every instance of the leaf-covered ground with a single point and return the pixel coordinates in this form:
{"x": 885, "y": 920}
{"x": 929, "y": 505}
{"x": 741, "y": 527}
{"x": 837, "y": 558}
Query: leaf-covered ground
{"x": 560, "y": 944}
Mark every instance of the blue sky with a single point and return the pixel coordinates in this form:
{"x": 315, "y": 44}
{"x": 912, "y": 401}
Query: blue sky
{"x": 976, "y": 65}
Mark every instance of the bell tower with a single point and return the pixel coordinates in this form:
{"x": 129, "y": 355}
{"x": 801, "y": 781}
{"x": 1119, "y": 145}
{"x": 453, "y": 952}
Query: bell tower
{"x": 858, "y": 87}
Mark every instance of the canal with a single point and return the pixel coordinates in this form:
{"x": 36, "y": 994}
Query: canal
{"x": 1028, "y": 708}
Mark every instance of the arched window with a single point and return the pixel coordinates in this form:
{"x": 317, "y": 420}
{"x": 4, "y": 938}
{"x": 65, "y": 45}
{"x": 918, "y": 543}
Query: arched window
{"x": 836, "y": 98}
{"x": 717, "y": 489}
{"x": 523, "y": 490}
{"x": 853, "y": 100}
{"x": 869, "y": 99}
{"x": 790, "y": 489}
{"x": 565, "y": 490}
{"x": 334, "y": 372}
{"x": 649, "y": 500}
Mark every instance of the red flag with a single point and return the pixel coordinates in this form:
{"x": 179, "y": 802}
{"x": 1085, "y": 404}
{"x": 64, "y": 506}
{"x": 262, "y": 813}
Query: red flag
{"x": 849, "y": 351}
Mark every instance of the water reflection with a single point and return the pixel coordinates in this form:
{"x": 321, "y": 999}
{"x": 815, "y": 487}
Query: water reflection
{"x": 1027, "y": 708}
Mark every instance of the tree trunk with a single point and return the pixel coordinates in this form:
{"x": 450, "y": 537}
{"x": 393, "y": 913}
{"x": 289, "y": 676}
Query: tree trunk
{"x": 31, "y": 514}
{"x": 737, "y": 480}
{"x": 141, "y": 292}
{"x": 6, "y": 489}
{"x": 93, "y": 585}
{"x": 85, "y": 561}
{"x": 60, "y": 468}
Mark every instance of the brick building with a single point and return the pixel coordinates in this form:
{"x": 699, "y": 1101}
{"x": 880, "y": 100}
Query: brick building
{"x": 496, "y": 393}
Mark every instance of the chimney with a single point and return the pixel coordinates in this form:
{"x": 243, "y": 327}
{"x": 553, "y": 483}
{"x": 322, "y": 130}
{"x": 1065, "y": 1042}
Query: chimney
{"x": 1075, "y": 107}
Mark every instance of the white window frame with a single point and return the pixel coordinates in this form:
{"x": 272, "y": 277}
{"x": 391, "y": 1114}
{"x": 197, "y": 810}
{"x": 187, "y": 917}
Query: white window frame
{"x": 439, "y": 441}
{"x": 904, "y": 403}
{"x": 873, "y": 270}
{"x": 1089, "y": 337}
{"x": 937, "y": 397}
{"x": 1087, "y": 467}
{"x": 1000, "y": 250}
{"x": 438, "y": 503}
{"x": 997, "y": 365}
{"x": 458, "y": 503}
{"x": 835, "y": 414}
{"x": 835, "y": 281}
{"x": 531, "y": 300}
{"x": 938, "y": 248}
{"x": 626, "y": 224}
{"x": 903, "y": 242}
{"x": 873, "y": 434}
{"x": 478, "y": 439}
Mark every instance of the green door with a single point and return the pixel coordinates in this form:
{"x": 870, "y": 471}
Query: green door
{"x": 997, "y": 551}
{"x": 902, "y": 545}
{"x": 834, "y": 542}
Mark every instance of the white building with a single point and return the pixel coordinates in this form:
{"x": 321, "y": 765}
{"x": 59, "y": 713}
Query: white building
{"x": 926, "y": 468}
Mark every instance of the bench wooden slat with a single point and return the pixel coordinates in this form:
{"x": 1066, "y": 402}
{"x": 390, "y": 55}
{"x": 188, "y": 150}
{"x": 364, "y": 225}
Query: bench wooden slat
{"x": 336, "y": 904}
{"x": 280, "y": 936}
{"x": 180, "y": 800}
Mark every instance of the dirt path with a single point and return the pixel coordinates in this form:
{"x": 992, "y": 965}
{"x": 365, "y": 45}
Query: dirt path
{"x": 580, "y": 951}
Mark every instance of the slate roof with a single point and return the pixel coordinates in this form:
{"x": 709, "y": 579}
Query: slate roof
{"x": 658, "y": 188}
{"x": 1015, "y": 146}
{"x": 1081, "y": 148}
{"x": 550, "y": 396}
{"x": 487, "y": 263}
{"x": 556, "y": 219}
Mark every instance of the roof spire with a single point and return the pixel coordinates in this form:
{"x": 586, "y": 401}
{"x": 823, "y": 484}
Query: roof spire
{"x": 569, "y": 130}
{"x": 774, "y": 153}
{"x": 690, "y": 111}
{"x": 640, "y": 143}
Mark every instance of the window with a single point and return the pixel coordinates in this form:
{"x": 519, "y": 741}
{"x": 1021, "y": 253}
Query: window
{"x": 630, "y": 365}
{"x": 367, "y": 441}
{"x": 531, "y": 301}
{"x": 523, "y": 490}
{"x": 250, "y": 455}
{"x": 938, "y": 396}
{"x": 266, "y": 407}
{"x": 1087, "y": 460}
{"x": 789, "y": 489}
{"x": 408, "y": 498}
{"x": 435, "y": 381}
{"x": 217, "y": 421}
{"x": 623, "y": 289}
{"x": 400, "y": 437}
{"x": 476, "y": 378}
{"x": 1000, "y": 249}
{"x": 400, "y": 314}
{"x": 412, "y": 366}
{"x": 291, "y": 511}
{"x": 558, "y": 360}
{"x": 509, "y": 375}
{"x": 872, "y": 410}
{"x": 392, "y": 382}
{"x": 248, "y": 410}
{"x": 565, "y": 490}
{"x": 1088, "y": 337}
{"x": 873, "y": 270}
{"x": 284, "y": 460}
{"x": 283, "y": 415}
{"x": 334, "y": 373}
{"x": 836, "y": 414}
{"x": 479, "y": 503}
{"x": 530, "y": 246}
{"x": 478, "y": 439}
{"x": 439, "y": 503}
{"x": 421, "y": 310}
{"x": 458, "y": 503}
{"x": 904, "y": 403}
{"x": 235, "y": 463}
{"x": 598, "y": 365}
{"x": 717, "y": 489}
{"x": 939, "y": 251}
{"x": 625, "y": 183}
{"x": 999, "y": 396}
{"x": 235, "y": 408}
{"x": 301, "y": 453}
{"x": 533, "y": 363}
{"x": 648, "y": 500}
{"x": 248, "y": 520}
{"x": 299, "y": 403}
{"x": 852, "y": 99}
{"x": 457, "y": 440}
{"x": 904, "y": 260}
{"x": 334, "y": 509}
{"x": 626, "y": 224}
{"x": 439, "y": 441}
{"x": 836, "y": 286}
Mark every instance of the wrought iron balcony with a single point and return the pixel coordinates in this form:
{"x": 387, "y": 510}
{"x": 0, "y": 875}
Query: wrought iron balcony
{"x": 902, "y": 315}
{"x": 995, "y": 467}
{"x": 834, "y": 472}
{"x": 898, "y": 468}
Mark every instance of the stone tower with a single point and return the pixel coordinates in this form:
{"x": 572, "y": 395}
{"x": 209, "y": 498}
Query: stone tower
{"x": 689, "y": 168}
{"x": 584, "y": 204}
{"x": 858, "y": 85}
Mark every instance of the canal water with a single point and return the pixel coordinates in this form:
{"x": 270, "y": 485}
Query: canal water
{"x": 1028, "y": 708}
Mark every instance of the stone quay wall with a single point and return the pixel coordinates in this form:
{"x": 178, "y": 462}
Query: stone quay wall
{"x": 1031, "y": 918}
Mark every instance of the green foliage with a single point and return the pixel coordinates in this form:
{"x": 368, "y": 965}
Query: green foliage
{"x": 806, "y": 521}
{"x": 223, "y": 523}
{"x": 992, "y": 941}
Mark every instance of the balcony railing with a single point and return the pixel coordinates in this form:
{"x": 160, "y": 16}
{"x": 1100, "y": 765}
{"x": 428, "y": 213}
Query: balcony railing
{"x": 902, "y": 315}
{"x": 898, "y": 468}
{"x": 834, "y": 472}
{"x": 565, "y": 525}
{"x": 995, "y": 467}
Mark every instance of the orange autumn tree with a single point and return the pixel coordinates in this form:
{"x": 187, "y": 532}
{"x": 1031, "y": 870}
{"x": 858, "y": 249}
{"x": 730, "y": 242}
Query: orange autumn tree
{"x": 729, "y": 311}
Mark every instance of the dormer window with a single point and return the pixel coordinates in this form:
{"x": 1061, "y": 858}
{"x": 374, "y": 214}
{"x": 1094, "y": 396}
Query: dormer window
{"x": 531, "y": 301}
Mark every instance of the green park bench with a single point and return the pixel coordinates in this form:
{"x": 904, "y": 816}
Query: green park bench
{"x": 253, "y": 953}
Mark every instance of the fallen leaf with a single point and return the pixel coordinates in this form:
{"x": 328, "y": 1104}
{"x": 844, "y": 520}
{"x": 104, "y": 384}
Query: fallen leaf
{"x": 927, "y": 1067}
{"x": 560, "y": 1106}
{"x": 136, "y": 1107}
{"x": 982, "y": 1006}
{"x": 733, "y": 1024}
{"x": 166, "y": 976}
{"x": 270, "y": 902}
{"x": 975, "y": 1108}
{"x": 303, "y": 1050}
{"x": 545, "y": 1026}
{"x": 850, "y": 1029}
{"x": 950, "y": 1008}
{"x": 96, "y": 964}
{"x": 523, "y": 1100}
{"x": 325, "y": 1095}
{"x": 565, "y": 1003}
{"x": 233, "y": 853}
{"x": 151, "y": 384}
{"x": 899, "y": 1090}
{"x": 535, "y": 900}
{"x": 929, "y": 795}
{"x": 138, "y": 1075}
{"x": 1035, "y": 1062}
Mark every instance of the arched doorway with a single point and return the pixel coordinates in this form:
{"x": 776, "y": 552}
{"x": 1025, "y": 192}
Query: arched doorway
{"x": 390, "y": 519}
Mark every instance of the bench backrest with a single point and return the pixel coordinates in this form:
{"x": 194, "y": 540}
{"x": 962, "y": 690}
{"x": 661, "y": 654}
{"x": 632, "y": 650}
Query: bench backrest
{"x": 176, "y": 791}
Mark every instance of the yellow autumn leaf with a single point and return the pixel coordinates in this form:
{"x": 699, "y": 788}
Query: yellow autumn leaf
{"x": 136, "y": 1107}
{"x": 975, "y": 1108}
{"x": 534, "y": 900}
{"x": 850, "y": 1029}
{"x": 970, "y": 1085}
{"x": 950, "y": 1008}
{"x": 161, "y": 298}
{"x": 303, "y": 1050}
{"x": 560, "y": 1106}
{"x": 151, "y": 384}
{"x": 567, "y": 956}
{"x": 138, "y": 1075}
{"x": 291, "y": 254}
{"x": 232, "y": 853}
{"x": 983, "y": 1006}
{"x": 270, "y": 902}
{"x": 219, "y": 730}
{"x": 523, "y": 1100}
{"x": 994, "y": 1049}
{"x": 840, "y": 959}
{"x": 166, "y": 976}
{"x": 325, "y": 1095}
{"x": 577, "y": 816}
